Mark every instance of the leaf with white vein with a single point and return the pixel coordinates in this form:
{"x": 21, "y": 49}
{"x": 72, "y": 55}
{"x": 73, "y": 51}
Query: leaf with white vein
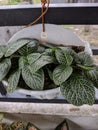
{"x": 93, "y": 75}
{"x": 33, "y": 57}
{"x": 61, "y": 74}
{"x": 13, "y": 81}
{"x": 29, "y": 48}
{"x": 5, "y": 66}
{"x": 63, "y": 57}
{"x": 42, "y": 61}
{"x": 85, "y": 59}
{"x": 2, "y": 50}
{"x": 13, "y": 47}
{"x": 1, "y": 54}
{"x": 22, "y": 62}
{"x": 78, "y": 90}
{"x": 36, "y": 80}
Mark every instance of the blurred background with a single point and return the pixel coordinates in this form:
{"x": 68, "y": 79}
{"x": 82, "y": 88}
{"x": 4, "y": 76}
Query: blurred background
{"x": 86, "y": 32}
{"x": 11, "y": 2}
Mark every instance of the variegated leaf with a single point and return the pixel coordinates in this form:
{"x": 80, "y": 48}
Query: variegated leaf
{"x": 5, "y": 66}
{"x": 17, "y": 125}
{"x": 2, "y": 50}
{"x": 63, "y": 57}
{"x": 31, "y": 126}
{"x": 50, "y": 51}
{"x": 69, "y": 51}
{"x": 22, "y": 62}
{"x": 36, "y": 80}
{"x": 41, "y": 49}
{"x": 29, "y": 48}
{"x": 1, "y": 54}
{"x": 61, "y": 74}
{"x": 78, "y": 90}
{"x": 85, "y": 59}
{"x": 13, "y": 47}
{"x": 93, "y": 76}
{"x": 50, "y": 73}
{"x": 13, "y": 81}
{"x": 84, "y": 67}
{"x": 63, "y": 126}
{"x": 42, "y": 61}
{"x": 33, "y": 57}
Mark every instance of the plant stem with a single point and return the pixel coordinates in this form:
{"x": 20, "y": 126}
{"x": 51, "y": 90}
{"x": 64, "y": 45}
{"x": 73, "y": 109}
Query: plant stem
{"x": 15, "y": 56}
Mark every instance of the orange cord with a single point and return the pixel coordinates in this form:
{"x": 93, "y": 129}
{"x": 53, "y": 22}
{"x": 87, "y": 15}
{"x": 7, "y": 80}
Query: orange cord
{"x": 43, "y": 19}
{"x": 42, "y": 15}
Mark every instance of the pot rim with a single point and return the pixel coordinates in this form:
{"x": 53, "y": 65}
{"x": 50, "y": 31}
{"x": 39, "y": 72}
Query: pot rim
{"x": 26, "y": 91}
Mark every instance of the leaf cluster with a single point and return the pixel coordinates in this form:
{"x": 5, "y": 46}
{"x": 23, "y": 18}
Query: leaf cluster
{"x": 19, "y": 125}
{"x": 26, "y": 63}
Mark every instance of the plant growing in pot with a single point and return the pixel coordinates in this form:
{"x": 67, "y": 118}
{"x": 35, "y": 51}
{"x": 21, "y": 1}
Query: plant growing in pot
{"x": 28, "y": 64}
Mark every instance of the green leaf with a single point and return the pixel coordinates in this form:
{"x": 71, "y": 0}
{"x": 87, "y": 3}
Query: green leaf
{"x": 66, "y": 49}
{"x": 63, "y": 57}
{"x": 70, "y": 52}
{"x": 93, "y": 76}
{"x": 22, "y": 62}
{"x": 1, "y": 116}
{"x": 41, "y": 49}
{"x": 85, "y": 59}
{"x": 36, "y": 80}
{"x": 31, "y": 126}
{"x": 2, "y": 50}
{"x": 1, "y": 54}
{"x": 17, "y": 125}
{"x": 31, "y": 47}
{"x": 50, "y": 51}
{"x": 50, "y": 73}
{"x": 78, "y": 90}
{"x": 33, "y": 57}
{"x": 13, "y": 81}
{"x": 61, "y": 74}
{"x": 63, "y": 126}
{"x": 84, "y": 67}
{"x": 42, "y": 61}
{"x": 5, "y": 126}
{"x": 13, "y": 47}
{"x": 5, "y": 66}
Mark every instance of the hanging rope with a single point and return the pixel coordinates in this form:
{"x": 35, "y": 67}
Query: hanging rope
{"x": 43, "y": 2}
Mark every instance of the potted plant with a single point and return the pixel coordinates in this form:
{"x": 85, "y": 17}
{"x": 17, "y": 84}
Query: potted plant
{"x": 52, "y": 63}
{"x": 28, "y": 64}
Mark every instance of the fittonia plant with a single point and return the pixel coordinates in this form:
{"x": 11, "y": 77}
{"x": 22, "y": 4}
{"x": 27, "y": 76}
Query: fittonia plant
{"x": 26, "y": 63}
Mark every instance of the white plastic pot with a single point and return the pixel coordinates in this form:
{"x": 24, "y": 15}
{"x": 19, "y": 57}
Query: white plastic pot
{"x": 45, "y": 94}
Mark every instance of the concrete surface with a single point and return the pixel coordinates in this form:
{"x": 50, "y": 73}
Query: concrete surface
{"x": 80, "y": 118}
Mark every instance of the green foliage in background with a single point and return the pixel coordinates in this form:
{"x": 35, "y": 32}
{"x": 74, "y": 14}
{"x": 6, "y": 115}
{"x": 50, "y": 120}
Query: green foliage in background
{"x": 14, "y": 2}
{"x": 37, "y": 1}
